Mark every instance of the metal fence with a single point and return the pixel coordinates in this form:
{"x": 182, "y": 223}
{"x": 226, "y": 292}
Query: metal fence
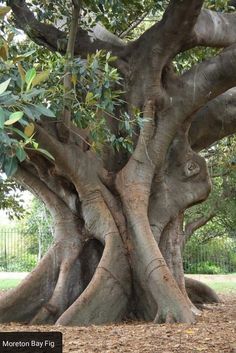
{"x": 21, "y": 252}
{"x": 213, "y": 257}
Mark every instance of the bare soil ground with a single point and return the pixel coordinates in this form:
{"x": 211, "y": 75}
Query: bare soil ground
{"x": 214, "y": 331}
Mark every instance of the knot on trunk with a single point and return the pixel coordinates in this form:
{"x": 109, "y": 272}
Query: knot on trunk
{"x": 191, "y": 168}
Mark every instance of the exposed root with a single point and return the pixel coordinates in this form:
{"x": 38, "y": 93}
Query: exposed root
{"x": 106, "y": 297}
{"x": 22, "y": 303}
{"x": 200, "y": 293}
{"x": 59, "y": 300}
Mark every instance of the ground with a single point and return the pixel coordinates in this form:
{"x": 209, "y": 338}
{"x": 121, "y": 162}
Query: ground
{"x": 214, "y": 331}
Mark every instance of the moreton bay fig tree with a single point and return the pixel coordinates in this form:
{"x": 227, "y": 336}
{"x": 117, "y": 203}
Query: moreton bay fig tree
{"x": 99, "y": 122}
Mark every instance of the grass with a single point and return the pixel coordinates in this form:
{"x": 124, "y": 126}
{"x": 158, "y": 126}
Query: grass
{"x": 9, "y": 283}
{"x": 223, "y": 287}
{"x": 219, "y": 287}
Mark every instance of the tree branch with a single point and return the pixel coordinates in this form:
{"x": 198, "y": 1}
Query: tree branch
{"x": 178, "y": 20}
{"x": 181, "y": 16}
{"x": 213, "y": 29}
{"x": 66, "y": 117}
{"x": 207, "y": 80}
{"x": 133, "y": 25}
{"x": 191, "y": 227}
{"x": 214, "y": 121}
{"x": 54, "y": 204}
{"x": 56, "y": 40}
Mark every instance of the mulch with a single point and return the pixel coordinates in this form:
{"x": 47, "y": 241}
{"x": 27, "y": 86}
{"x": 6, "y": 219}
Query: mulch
{"x": 214, "y": 331}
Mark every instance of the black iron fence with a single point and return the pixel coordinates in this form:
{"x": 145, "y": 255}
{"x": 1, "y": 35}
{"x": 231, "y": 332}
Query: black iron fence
{"x": 21, "y": 252}
{"x": 213, "y": 257}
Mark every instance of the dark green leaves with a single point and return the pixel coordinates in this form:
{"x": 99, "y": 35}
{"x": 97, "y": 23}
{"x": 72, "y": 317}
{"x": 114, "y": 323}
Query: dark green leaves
{"x": 44, "y": 111}
{"x": 29, "y": 77}
{"x": 2, "y": 118}
{"x": 13, "y": 118}
{"x": 10, "y": 166}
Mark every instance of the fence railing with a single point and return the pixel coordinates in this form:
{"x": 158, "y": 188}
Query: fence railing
{"x": 214, "y": 257}
{"x": 21, "y": 252}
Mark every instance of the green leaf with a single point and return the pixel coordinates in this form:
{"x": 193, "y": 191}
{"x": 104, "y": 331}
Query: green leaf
{"x": 4, "y": 85}
{"x": 40, "y": 77}
{"x": 10, "y": 166}
{"x": 29, "y": 76}
{"x": 34, "y": 92}
{"x": 8, "y": 99}
{"x": 2, "y": 118}
{"x": 27, "y": 110}
{"x": 90, "y": 99}
{"x": 13, "y": 118}
{"x": 45, "y": 111}
{"x": 46, "y": 153}
{"x": 35, "y": 144}
{"x": 20, "y": 154}
{"x": 23, "y": 56}
{"x": 20, "y": 133}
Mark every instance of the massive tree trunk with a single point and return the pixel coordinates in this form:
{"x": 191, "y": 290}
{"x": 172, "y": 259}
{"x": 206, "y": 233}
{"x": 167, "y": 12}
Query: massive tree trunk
{"x": 118, "y": 227}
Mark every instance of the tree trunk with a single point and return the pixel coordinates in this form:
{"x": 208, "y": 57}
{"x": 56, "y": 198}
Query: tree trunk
{"x": 116, "y": 253}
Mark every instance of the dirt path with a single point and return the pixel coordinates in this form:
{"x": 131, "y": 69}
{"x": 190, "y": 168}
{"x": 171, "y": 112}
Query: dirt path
{"x": 214, "y": 332}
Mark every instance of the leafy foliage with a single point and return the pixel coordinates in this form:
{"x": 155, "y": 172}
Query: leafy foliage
{"x": 20, "y": 104}
{"x": 216, "y": 256}
{"x": 116, "y": 15}
{"x": 222, "y": 200}
{"x": 37, "y": 228}
{"x": 11, "y": 198}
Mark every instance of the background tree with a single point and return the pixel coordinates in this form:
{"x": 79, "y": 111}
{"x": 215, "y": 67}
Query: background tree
{"x": 218, "y": 212}
{"x": 110, "y": 144}
{"x": 11, "y": 198}
{"x": 37, "y": 228}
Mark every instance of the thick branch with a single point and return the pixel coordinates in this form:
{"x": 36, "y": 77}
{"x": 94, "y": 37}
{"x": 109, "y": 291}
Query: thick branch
{"x": 214, "y": 121}
{"x": 209, "y": 79}
{"x": 180, "y": 17}
{"x": 214, "y": 29}
{"x": 56, "y": 40}
{"x": 191, "y": 227}
{"x": 170, "y": 34}
{"x": 55, "y": 205}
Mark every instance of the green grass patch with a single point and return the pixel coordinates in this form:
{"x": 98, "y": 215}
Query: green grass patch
{"x": 223, "y": 287}
{"x": 9, "y": 283}
{"x": 219, "y": 287}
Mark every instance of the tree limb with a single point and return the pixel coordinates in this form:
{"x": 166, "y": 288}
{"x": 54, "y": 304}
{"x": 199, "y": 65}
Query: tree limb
{"x": 207, "y": 80}
{"x": 178, "y": 20}
{"x": 133, "y": 25}
{"x": 66, "y": 117}
{"x": 213, "y": 29}
{"x": 56, "y": 40}
{"x": 214, "y": 121}
{"x": 54, "y": 204}
{"x": 191, "y": 227}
